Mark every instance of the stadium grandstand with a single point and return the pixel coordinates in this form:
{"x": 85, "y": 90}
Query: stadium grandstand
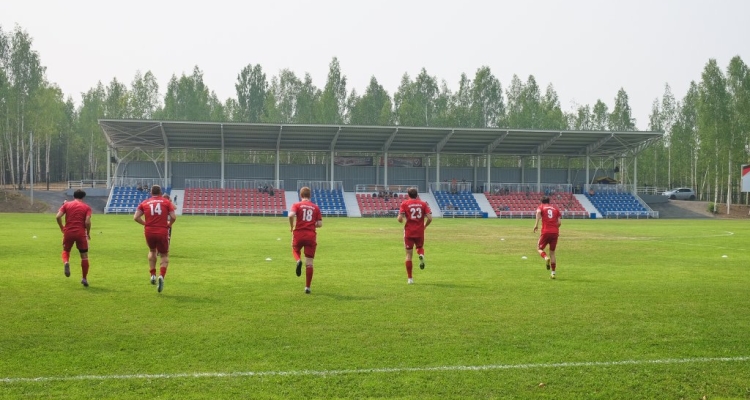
{"x": 364, "y": 171}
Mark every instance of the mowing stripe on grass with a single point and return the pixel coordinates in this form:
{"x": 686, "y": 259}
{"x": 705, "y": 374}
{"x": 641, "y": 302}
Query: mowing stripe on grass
{"x": 375, "y": 370}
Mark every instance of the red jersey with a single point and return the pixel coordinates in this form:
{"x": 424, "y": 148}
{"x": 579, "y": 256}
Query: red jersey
{"x": 415, "y": 211}
{"x": 156, "y": 212}
{"x": 75, "y": 216}
{"x": 550, "y": 218}
{"x": 308, "y": 214}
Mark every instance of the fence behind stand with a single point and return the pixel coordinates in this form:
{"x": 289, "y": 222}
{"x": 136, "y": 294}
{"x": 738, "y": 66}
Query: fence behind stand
{"x": 84, "y": 184}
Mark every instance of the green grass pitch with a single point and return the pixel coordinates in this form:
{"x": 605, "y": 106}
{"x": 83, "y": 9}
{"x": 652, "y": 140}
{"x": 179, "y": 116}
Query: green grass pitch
{"x": 640, "y": 309}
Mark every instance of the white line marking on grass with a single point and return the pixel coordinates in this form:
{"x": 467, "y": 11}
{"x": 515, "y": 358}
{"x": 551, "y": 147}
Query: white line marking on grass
{"x": 376, "y": 370}
{"x": 649, "y": 238}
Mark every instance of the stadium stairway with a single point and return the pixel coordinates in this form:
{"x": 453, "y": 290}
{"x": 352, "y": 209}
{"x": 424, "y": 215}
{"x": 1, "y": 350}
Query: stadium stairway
{"x": 432, "y": 202}
{"x": 484, "y": 205}
{"x": 590, "y": 209}
{"x": 351, "y": 204}
{"x": 180, "y": 198}
{"x": 291, "y": 197}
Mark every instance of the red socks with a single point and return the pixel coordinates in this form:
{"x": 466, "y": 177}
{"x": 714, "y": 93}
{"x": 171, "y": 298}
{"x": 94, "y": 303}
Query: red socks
{"x": 85, "y": 267}
{"x": 308, "y": 275}
{"x": 553, "y": 266}
{"x": 66, "y": 256}
{"x": 543, "y": 254}
{"x": 408, "y": 269}
{"x": 163, "y": 271}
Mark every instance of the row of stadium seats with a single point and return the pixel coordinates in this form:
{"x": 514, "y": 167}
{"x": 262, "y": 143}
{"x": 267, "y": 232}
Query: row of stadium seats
{"x": 618, "y": 205}
{"x": 330, "y": 202}
{"x": 458, "y": 204}
{"x": 234, "y": 201}
{"x": 524, "y": 204}
{"x": 376, "y": 205}
{"x": 125, "y": 199}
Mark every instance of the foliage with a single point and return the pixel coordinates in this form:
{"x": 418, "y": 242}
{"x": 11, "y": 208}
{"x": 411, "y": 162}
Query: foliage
{"x": 706, "y": 132}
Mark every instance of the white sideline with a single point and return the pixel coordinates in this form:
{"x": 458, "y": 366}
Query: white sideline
{"x": 375, "y": 370}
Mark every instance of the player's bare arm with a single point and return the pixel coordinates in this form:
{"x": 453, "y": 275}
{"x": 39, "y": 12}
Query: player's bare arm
{"x": 427, "y": 220}
{"x": 538, "y": 217}
{"x": 292, "y": 220}
{"x": 401, "y": 217}
{"x": 319, "y": 224}
{"x": 138, "y": 217}
{"x": 58, "y": 217}
{"x": 172, "y": 218}
{"x": 87, "y": 224}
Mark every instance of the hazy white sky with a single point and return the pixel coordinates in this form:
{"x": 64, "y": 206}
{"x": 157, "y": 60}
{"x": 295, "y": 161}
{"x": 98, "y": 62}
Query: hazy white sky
{"x": 588, "y": 49}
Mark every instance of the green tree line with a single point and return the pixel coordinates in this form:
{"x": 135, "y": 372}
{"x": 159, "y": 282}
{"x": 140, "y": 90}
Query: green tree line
{"x": 707, "y": 132}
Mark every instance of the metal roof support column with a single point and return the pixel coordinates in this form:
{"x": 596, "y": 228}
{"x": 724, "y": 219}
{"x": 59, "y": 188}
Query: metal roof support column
{"x": 276, "y": 171}
{"x": 588, "y": 178}
{"x": 635, "y": 174}
{"x": 437, "y": 151}
{"x": 490, "y": 148}
{"x": 567, "y": 161}
{"x": 109, "y": 167}
{"x": 222, "y": 156}
{"x": 332, "y": 152}
{"x": 333, "y": 149}
{"x": 437, "y": 172}
{"x": 375, "y": 160}
{"x": 476, "y": 166}
{"x": 166, "y": 155}
{"x": 539, "y": 172}
{"x": 386, "y": 146}
{"x": 523, "y": 170}
{"x": 489, "y": 181}
{"x": 385, "y": 168}
{"x": 166, "y": 168}
{"x": 427, "y": 175}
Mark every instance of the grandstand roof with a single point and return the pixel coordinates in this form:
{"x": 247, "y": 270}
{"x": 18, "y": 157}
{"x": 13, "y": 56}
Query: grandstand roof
{"x": 154, "y": 135}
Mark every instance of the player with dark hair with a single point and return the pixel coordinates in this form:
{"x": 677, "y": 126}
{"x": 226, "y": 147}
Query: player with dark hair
{"x": 76, "y": 231}
{"x": 160, "y": 217}
{"x": 418, "y": 216}
{"x": 551, "y": 221}
{"x": 304, "y": 218}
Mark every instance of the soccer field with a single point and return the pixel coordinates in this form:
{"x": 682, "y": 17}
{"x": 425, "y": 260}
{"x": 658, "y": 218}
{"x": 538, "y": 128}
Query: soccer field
{"x": 640, "y": 309}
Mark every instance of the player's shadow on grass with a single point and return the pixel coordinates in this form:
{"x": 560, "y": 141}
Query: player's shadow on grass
{"x": 179, "y": 298}
{"x": 345, "y": 297}
{"x": 99, "y": 289}
{"x": 450, "y": 285}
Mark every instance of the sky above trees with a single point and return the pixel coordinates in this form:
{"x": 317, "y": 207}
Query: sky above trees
{"x": 588, "y": 50}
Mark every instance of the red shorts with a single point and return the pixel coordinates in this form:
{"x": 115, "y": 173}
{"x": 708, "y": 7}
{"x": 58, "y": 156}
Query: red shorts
{"x": 547, "y": 239}
{"x": 80, "y": 240}
{"x": 308, "y": 242}
{"x": 410, "y": 242}
{"x": 159, "y": 242}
